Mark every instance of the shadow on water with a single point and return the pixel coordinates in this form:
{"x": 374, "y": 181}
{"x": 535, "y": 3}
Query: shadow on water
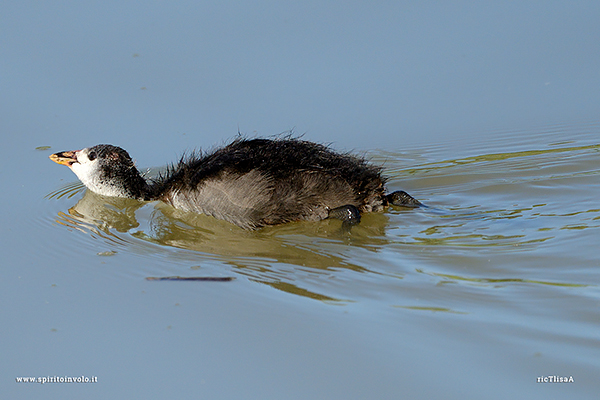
{"x": 502, "y": 203}
{"x": 268, "y": 256}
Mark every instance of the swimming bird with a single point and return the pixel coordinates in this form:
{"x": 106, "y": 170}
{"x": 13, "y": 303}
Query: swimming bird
{"x": 249, "y": 182}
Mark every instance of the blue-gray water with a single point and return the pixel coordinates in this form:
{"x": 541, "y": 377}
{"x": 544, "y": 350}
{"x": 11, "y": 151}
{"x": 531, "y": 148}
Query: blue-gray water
{"x": 487, "y": 113}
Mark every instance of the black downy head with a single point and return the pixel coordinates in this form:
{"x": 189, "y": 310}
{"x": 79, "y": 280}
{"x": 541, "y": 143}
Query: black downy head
{"x": 105, "y": 169}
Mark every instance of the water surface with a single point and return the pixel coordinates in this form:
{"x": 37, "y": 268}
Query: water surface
{"x": 495, "y": 281}
{"x": 479, "y": 110}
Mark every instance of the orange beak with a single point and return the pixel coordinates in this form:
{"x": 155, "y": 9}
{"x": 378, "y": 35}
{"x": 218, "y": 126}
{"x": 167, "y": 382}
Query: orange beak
{"x": 67, "y": 158}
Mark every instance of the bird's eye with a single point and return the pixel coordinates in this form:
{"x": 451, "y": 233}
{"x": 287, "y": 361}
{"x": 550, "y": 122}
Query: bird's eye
{"x": 92, "y": 155}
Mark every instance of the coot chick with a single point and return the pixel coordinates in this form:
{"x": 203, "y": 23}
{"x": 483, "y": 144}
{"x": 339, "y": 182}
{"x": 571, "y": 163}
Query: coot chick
{"x": 250, "y": 183}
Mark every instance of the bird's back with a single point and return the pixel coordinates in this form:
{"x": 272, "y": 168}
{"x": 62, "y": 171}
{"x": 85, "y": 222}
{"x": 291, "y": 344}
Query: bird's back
{"x": 259, "y": 182}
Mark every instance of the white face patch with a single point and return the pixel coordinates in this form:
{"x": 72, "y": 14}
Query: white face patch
{"x": 84, "y": 168}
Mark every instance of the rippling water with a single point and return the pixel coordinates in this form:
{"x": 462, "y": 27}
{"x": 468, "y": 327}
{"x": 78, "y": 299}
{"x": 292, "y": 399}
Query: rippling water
{"x": 499, "y": 213}
{"x": 484, "y": 294}
{"x": 507, "y": 246}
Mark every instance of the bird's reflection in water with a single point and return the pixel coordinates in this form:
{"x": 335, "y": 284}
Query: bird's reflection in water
{"x": 284, "y": 257}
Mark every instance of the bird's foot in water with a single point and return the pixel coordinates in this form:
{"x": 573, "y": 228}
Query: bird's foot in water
{"x": 348, "y": 214}
{"x": 403, "y": 199}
